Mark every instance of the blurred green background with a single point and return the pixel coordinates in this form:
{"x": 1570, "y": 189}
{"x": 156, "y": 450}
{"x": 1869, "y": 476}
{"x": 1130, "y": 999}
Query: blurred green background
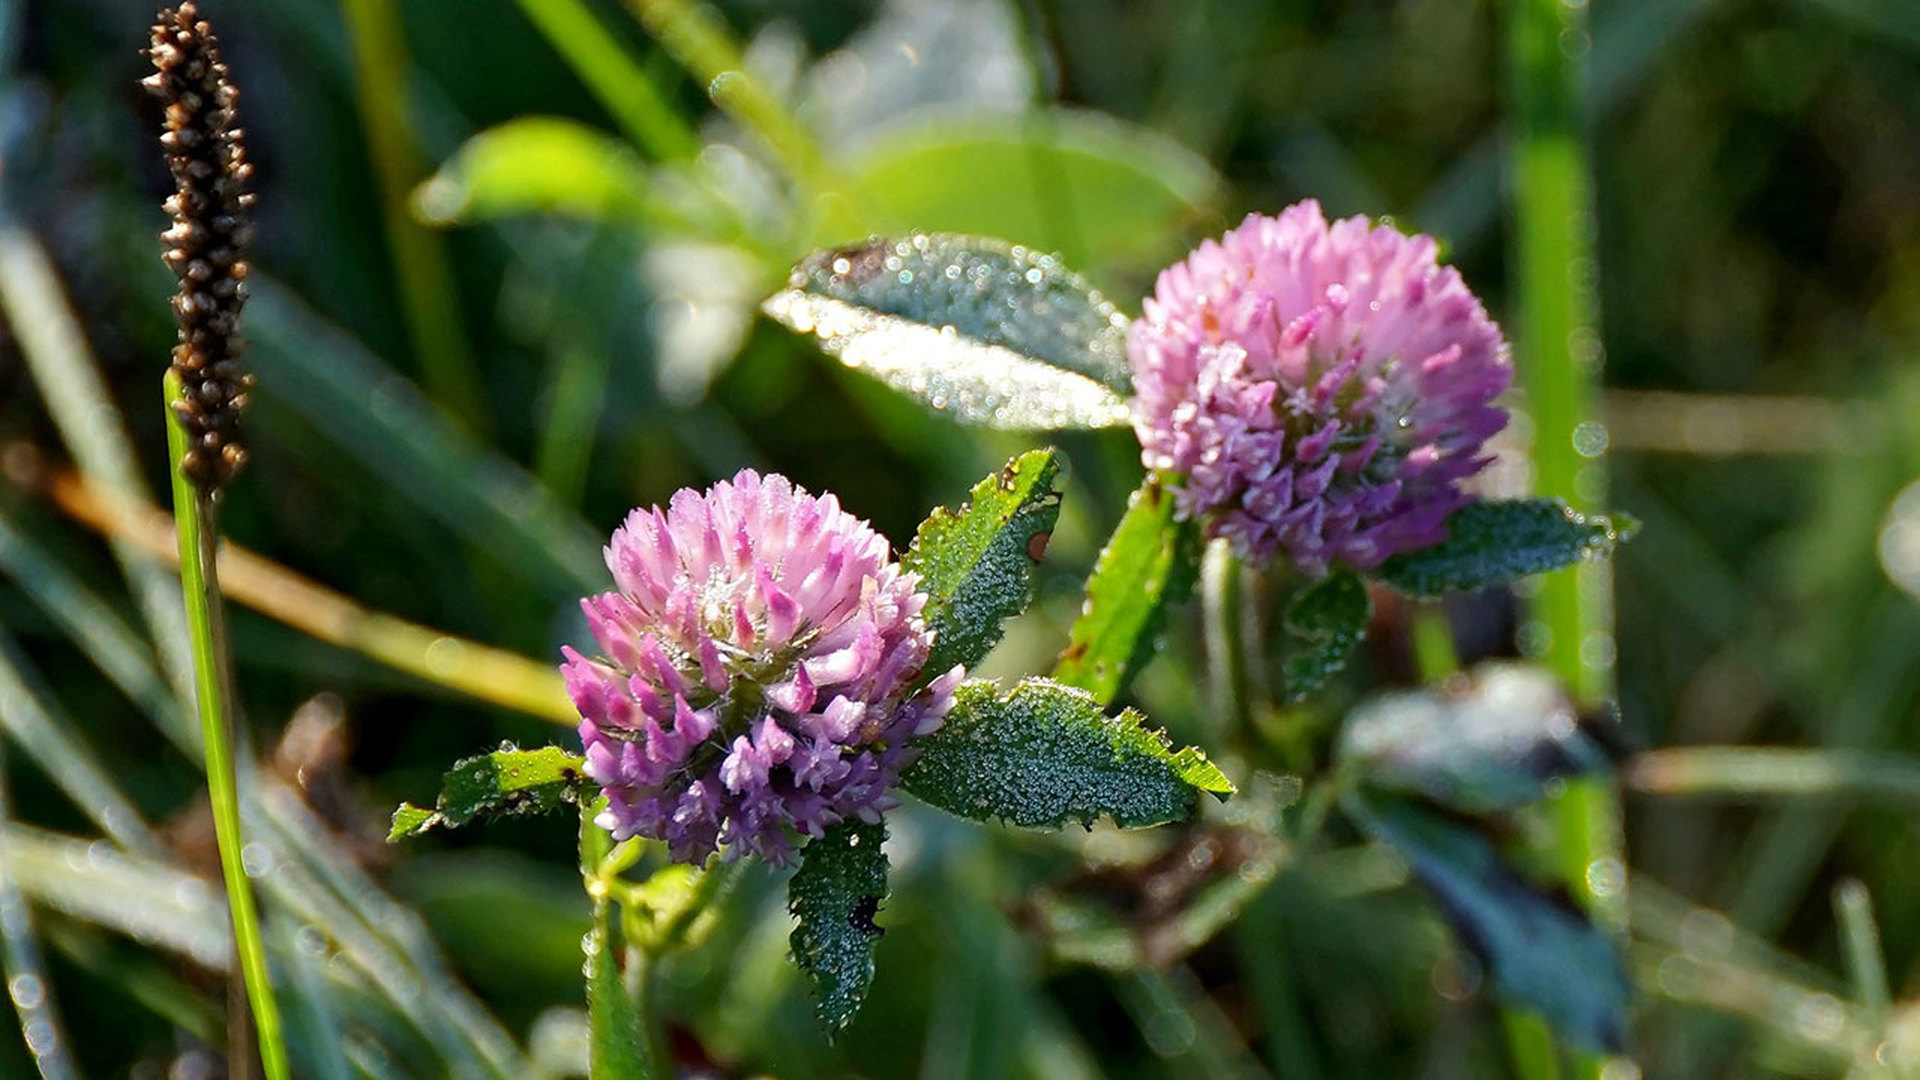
{"x": 464, "y": 385}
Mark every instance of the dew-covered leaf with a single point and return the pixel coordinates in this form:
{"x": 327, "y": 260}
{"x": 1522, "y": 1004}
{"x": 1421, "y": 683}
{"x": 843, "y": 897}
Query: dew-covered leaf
{"x": 507, "y": 781}
{"x": 1489, "y": 743}
{"x": 1324, "y": 623}
{"x": 994, "y": 334}
{"x": 1096, "y": 189}
{"x": 1493, "y": 543}
{"x": 1540, "y": 952}
{"x": 536, "y": 165}
{"x": 976, "y": 563}
{"x": 1146, "y": 567}
{"x": 1043, "y": 754}
{"x": 835, "y": 895}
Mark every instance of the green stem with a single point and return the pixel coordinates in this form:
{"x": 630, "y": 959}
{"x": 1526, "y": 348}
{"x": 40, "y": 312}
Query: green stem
{"x": 1866, "y": 967}
{"x": 624, "y": 1035}
{"x": 1434, "y": 654}
{"x": 625, "y": 89}
{"x": 696, "y": 36}
{"x": 1223, "y": 596}
{"x": 421, "y": 271}
{"x": 1752, "y": 773}
{"x": 212, "y": 682}
{"x": 1556, "y": 312}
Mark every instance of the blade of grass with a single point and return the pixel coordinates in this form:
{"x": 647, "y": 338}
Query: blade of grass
{"x": 1866, "y": 965}
{"x": 696, "y": 36}
{"x": 327, "y": 887}
{"x": 69, "y": 381}
{"x": 380, "y": 419}
{"x": 148, "y": 979}
{"x": 1753, "y": 773}
{"x": 27, "y": 983}
{"x": 1556, "y": 310}
{"x": 213, "y": 693}
{"x": 313, "y": 1022}
{"x": 113, "y": 646}
{"x": 1185, "y": 1026}
{"x": 32, "y": 718}
{"x": 469, "y": 667}
{"x": 621, "y": 85}
{"x": 421, "y": 273}
{"x": 145, "y": 899}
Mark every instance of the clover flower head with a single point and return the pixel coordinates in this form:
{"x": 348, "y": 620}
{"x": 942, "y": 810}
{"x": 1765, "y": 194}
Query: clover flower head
{"x": 758, "y": 671}
{"x": 1322, "y": 390}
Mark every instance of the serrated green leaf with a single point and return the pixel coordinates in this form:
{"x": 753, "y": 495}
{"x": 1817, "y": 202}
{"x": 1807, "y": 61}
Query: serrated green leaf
{"x": 1324, "y": 622}
{"x": 1491, "y": 743}
{"x": 1130, "y": 188}
{"x": 1540, "y": 952}
{"x": 976, "y": 563}
{"x": 1493, "y": 543}
{"x": 993, "y": 334}
{"x": 1043, "y": 754}
{"x": 835, "y": 894}
{"x": 507, "y": 781}
{"x": 533, "y": 165}
{"x": 1146, "y": 567}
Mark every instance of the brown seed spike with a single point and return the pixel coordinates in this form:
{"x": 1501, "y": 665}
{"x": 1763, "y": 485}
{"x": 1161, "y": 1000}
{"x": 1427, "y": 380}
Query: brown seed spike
{"x": 205, "y": 245}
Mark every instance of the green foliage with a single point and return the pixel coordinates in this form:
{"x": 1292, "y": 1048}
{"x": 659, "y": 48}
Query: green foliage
{"x": 1499, "y": 541}
{"x": 995, "y": 335}
{"x": 1540, "y": 952}
{"x": 841, "y": 883}
{"x": 1043, "y": 754}
{"x": 1091, "y": 187}
{"x": 616, "y": 1024}
{"x": 1489, "y": 744}
{"x": 1324, "y": 623}
{"x": 976, "y": 563}
{"x": 536, "y": 165}
{"x": 508, "y": 781}
{"x": 1146, "y": 567}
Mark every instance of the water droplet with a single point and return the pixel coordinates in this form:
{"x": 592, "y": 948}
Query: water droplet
{"x": 256, "y": 859}
{"x": 1899, "y": 541}
{"x": 1590, "y": 439}
{"x": 27, "y": 991}
{"x": 1597, "y": 651}
{"x": 1606, "y": 877}
{"x": 1534, "y": 639}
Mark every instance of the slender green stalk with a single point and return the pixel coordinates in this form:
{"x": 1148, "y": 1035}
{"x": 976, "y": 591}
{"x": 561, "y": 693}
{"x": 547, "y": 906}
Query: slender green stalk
{"x": 622, "y": 86}
{"x": 421, "y": 272}
{"x": 20, "y": 958}
{"x": 1434, "y": 654}
{"x": 469, "y": 667}
{"x": 64, "y": 370}
{"x": 194, "y": 524}
{"x": 1556, "y": 312}
{"x": 1224, "y": 602}
{"x": 1754, "y": 772}
{"x": 1866, "y": 967}
{"x": 696, "y": 36}
{"x": 625, "y": 1039}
